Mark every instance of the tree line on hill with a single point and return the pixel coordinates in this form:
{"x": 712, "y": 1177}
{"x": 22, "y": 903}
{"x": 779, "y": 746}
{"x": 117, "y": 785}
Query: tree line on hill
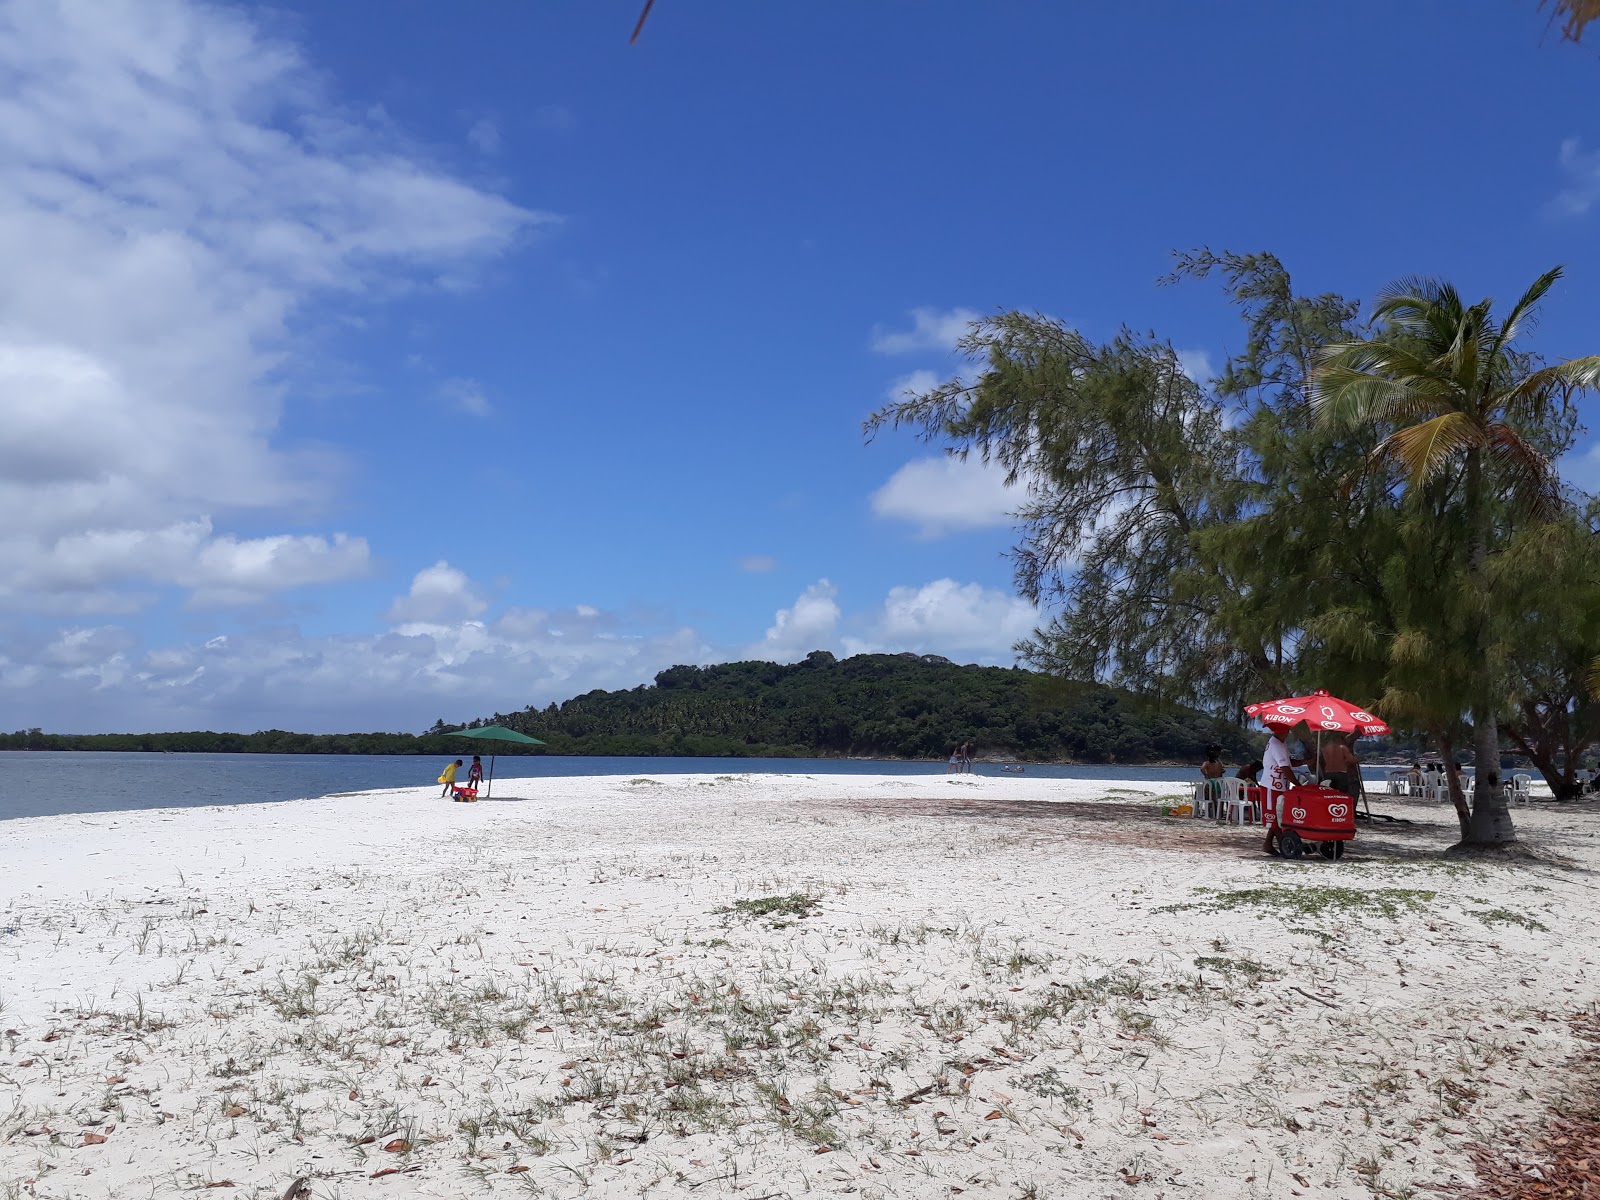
{"x": 869, "y": 706}
{"x": 875, "y": 705}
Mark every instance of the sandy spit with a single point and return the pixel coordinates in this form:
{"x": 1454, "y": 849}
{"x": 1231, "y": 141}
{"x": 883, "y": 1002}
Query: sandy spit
{"x": 934, "y": 987}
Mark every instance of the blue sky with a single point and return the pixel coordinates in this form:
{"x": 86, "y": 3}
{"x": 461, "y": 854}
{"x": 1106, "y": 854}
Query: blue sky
{"x": 372, "y": 362}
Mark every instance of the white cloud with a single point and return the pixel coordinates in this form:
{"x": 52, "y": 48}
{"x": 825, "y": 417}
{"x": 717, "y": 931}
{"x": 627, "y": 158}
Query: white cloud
{"x": 81, "y": 571}
{"x": 89, "y": 680}
{"x": 811, "y": 623}
{"x": 1196, "y": 364}
{"x": 229, "y": 570}
{"x": 176, "y": 192}
{"x": 944, "y": 495}
{"x": 439, "y": 594}
{"x": 1581, "y": 468}
{"x": 467, "y": 395}
{"x": 1582, "y": 169}
{"x": 914, "y": 384}
{"x": 484, "y": 135}
{"x": 931, "y": 329}
{"x": 88, "y": 648}
{"x": 448, "y": 658}
{"x": 757, "y": 563}
{"x": 966, "y": 622}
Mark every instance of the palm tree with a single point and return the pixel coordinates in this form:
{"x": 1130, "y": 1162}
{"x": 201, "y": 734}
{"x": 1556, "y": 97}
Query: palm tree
{"x": 1459, "y": 399}
{"x": 1574, "y": 15}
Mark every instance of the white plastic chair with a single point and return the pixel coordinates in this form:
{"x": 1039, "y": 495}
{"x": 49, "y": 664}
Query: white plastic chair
{"x": 1208, "y": 794}
{"x": 1520, "y": 789}
{"x": 1235, "y": 803}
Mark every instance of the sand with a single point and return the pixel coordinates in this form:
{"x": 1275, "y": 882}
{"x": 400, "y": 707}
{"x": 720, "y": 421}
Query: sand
{"x": 961, "y": 986}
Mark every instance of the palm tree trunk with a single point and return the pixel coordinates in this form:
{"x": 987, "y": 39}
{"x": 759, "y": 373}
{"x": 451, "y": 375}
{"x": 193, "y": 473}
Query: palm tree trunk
{"x": 1491, "y": 815}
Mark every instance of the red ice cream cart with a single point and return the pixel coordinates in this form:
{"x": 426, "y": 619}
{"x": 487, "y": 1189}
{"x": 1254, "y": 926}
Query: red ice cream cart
{"x": 1312, "y": 815}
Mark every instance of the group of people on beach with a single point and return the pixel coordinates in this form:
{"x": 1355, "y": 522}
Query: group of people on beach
{"x": 474, "y": 778}
{"x": 1335, "y": 761}
{"x": 960, "y": 760}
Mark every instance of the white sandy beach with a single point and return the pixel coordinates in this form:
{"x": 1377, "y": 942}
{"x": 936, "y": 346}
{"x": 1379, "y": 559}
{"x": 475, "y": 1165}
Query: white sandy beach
{"x": 1001, "y": 988}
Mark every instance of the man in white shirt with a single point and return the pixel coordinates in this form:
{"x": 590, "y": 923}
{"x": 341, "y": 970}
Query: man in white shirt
{"x": 1277, "y": 774}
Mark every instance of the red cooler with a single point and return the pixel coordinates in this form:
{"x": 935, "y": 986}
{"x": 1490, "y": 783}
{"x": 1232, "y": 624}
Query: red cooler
{"x": 1313, "y": 816}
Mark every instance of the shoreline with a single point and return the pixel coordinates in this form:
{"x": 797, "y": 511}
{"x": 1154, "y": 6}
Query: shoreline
{"x": 953, "y": 981}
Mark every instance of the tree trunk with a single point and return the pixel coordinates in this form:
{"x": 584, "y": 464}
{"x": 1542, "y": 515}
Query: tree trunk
{"x": 1563, "y": 781}
{"x": 1491, "y": 815}
{"x": 1452, "y": 774}
{"x": 1547, "y": 729}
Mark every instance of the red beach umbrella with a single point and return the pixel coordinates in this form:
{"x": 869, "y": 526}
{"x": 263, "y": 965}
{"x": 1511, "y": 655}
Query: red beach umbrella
{"x": 1321, "y": 712}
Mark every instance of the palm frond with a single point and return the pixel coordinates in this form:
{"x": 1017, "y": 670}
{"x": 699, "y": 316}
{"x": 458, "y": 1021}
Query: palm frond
{"x": 1525, "y": 312}
{"x": 1527, "y": 473}
{"x": 1398, "y": 362}
{"x": 1529, "y": 397}
{"x": 639, "y": 28}
{"x": 1347, "y": 398}
{"x": 1425, "y": 449}
{"x": 1415, "y": 292}
{"x": 1575, "y": 15}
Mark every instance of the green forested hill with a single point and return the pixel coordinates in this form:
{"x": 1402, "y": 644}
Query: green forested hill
{"x": 872, "y": 705}
{"x": 885, "y": 705}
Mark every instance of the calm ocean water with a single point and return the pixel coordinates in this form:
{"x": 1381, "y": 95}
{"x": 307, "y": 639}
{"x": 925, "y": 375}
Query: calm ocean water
{"x": 41, "y": 783}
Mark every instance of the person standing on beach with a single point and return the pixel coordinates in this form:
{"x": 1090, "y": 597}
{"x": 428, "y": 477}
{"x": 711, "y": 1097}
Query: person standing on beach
{"x": 966, "y": 758}
{"x": 955, "y": 762}
{"x": 1279, "y": 769}
{"x": 448, "y": 776}
{"x": 475, "y": 772}
{"x": 1341, "y": 768}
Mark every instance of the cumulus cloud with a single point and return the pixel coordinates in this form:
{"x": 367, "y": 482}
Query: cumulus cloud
{"x": 1582, "y": 170}
{"x": 229, "y": 570}
{"x": 176, "y": 193}
{"x": 915, "y": 383}
{"x": 931, "y": 329}
{"x": 91, "y": 679}
{"x": 945, "y": 495}
{"x": 446, "y": 656}
{"x": 438, "y": 594}
{"x": 86, "y": 569}
{"x": 811, "y": 623}
{"x": 757, "y": 563}
{"x": 1196, "y": 364}
{"x": 967, "y": 622}
{"x": 964, "y": 621}
{"x": 1581, "y": 468}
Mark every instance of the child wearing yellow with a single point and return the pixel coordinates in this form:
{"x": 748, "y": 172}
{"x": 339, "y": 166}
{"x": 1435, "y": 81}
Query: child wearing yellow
{"x": 448, "y": 778}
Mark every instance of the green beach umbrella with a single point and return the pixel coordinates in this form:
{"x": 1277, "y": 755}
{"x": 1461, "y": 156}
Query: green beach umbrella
{"x": 495, "y": 733}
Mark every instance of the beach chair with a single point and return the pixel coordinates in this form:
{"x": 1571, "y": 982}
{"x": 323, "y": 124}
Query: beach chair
{"x": 1208, "y": 800}
{"x": 1237, "y": 801}
{"x": 1520, "y": 790}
